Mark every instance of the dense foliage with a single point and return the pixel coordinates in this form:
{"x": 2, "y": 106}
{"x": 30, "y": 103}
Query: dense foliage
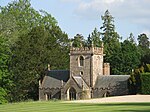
{"x": 130, "y": 57}
{"x": 5, "y": 77}
{"x": 94, "y": 39}
{"x": 31, "y": 55}
{"x": 145, "y": 85}
{"x": 30, "y": 40}
{"x": 35, "y": 40}
{"x": 139, "y": 80}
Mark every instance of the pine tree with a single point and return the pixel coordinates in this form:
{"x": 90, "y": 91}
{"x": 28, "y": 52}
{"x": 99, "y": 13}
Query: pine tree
{"x": 78, "y": 41}
{"x": 94, "y": 38}
{"x": 111, "y": 42}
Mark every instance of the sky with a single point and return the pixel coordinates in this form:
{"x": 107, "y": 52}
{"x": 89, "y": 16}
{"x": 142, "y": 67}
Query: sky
{"x": 82, "y": 16}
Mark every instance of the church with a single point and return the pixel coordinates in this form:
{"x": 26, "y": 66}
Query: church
{"x": 88, "y": 77}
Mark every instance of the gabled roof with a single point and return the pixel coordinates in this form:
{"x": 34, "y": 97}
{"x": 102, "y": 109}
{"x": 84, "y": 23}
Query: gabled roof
{"x": 81, "y": 83}
{"x": 54, "y": 78}
{"x": 111, "y": 81}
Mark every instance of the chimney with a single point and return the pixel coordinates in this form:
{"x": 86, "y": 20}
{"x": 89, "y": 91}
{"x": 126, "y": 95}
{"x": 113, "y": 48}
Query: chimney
{"x": 106, "y": 69}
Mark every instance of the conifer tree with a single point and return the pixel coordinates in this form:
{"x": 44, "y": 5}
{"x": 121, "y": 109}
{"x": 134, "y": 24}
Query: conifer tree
{"x": 111, "y": 42}
{"x": 78, "y": 41}
{"x": 94, "y": 38}
{"x": 144, "y": 48}
{"x": 108, "y": 27}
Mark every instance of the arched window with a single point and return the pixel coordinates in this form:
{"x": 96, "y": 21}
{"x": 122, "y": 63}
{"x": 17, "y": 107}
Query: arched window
{"x": 81, "y": 61}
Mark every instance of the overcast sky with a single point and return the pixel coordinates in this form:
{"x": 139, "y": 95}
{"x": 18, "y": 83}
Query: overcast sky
{"x": 82, "y": 16}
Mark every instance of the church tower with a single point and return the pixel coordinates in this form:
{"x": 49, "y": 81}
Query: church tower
{"x": 87, "y": 62}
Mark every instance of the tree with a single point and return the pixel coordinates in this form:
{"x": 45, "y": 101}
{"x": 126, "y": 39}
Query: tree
{"x": 15, "y": 19}
{"x": 143, "y": 41}
{"x": 130, "y": 56}
{"x": 78, "y": 41}
{"x": 94, "y": 39}
{"x": 108, "y": 27}
{"x": 146, "y": 58}
{"x": 31, "y": 55}
{"x": 144, "y": 48}
{"x": 5, "y": 77}
{"x": 111, "y": 42}
{"x": 18, "y": 18}
{"x": 35, "y": 40}
{"x": 131, "y": 38}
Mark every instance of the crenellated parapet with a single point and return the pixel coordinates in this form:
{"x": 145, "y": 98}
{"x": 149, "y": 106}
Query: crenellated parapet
{"x": 106, "y": 64}
{"x": 86, "y": 50}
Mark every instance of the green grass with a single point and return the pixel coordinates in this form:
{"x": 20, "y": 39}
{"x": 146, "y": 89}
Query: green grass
{"x": 74, "y": 107}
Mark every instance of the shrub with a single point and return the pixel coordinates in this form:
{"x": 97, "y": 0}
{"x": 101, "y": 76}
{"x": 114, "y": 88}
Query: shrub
{"x": 3, "y": 95}
{"x": 147, "y": 68}
{"x": 145, "y": 83}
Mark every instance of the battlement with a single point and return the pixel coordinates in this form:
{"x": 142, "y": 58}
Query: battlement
{"x": 106, "y": 64}
{"x": 86, "y": 50}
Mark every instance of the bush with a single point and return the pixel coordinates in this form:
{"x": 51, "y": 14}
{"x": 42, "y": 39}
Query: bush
{"x": 135, "y": 83}
{"x": 145, "y": 83}
{"x": 3, "y": 95}
{"x": 147, "y": 68}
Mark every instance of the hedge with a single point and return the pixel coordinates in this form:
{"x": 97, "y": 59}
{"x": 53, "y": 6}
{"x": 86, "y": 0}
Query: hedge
{"x": 145, "y": 83}
{"x": 3, "y": 94}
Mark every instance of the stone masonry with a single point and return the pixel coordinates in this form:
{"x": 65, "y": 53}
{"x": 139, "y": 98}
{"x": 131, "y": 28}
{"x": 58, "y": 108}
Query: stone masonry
{"x": 88, "y": 77}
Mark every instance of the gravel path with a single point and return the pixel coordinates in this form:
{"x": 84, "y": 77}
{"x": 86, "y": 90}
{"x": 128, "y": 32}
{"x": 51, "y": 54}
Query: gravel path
{"x": 128, "y": 98}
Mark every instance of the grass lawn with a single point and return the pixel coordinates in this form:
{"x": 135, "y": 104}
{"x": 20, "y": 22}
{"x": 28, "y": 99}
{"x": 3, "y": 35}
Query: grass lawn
{"x": 58, "y": 106}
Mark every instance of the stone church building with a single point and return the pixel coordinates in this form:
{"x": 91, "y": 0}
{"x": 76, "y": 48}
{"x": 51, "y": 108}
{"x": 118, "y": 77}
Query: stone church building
{"x": 88, "y": 77}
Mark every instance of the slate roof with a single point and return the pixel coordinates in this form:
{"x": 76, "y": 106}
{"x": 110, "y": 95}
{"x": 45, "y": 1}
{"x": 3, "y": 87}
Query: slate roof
{"x": 79, "y": 80}
{"x": 111, "y": 81}
{"x": 54, "y": 78}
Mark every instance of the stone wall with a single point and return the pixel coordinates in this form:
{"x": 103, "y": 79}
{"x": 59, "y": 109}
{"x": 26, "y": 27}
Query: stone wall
{"x": 49, "y": 93}
{"x": 97, "y": 67}
{"x": 93, "y": 63}
{"x": 65, "y": 90}
{"x": 75, "y": 69}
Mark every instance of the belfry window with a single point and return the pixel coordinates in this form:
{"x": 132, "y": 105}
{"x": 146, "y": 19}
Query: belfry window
{"x": 81, "y": 61}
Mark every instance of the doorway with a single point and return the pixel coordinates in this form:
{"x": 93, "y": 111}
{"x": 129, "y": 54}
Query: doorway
{"x": 72, "y": 94}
